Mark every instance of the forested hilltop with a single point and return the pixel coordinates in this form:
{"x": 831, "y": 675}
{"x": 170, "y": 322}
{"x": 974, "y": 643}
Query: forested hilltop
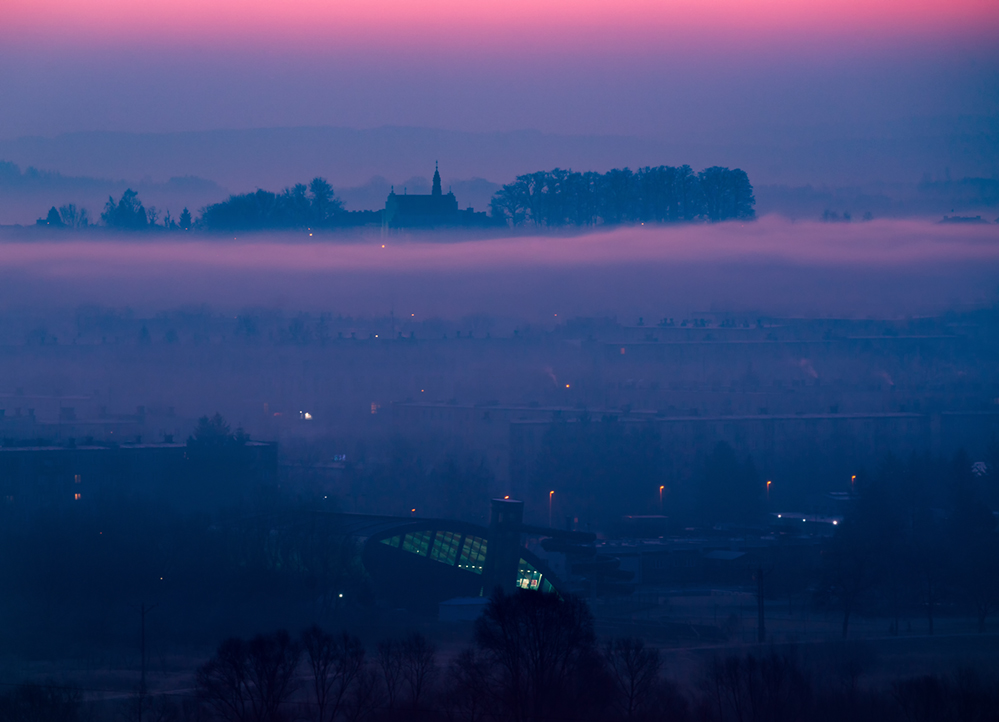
{"x": 658, "y": 195}
{"x": 545, "y": 199}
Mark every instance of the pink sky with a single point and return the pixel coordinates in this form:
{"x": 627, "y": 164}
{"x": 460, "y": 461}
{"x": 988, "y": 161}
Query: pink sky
{"x": 451, "y": 24}
{"x": 728, "y": 74}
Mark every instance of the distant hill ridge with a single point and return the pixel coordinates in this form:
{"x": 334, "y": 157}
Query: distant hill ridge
{"x": 243, "y": 160}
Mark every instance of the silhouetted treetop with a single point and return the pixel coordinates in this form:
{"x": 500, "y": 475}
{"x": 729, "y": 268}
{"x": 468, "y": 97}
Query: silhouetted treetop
{"x": 300, "y": 206}
{"x": 663, "y": 194}
{"x": 214, "y": 432}
{"x": 543, "y": 647}
{"x": 73, "y": 217}
{"x": 128, "y": 213}
{"x": 52, "y": 219}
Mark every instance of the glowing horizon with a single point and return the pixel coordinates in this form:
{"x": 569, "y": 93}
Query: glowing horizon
{"x": 512, "y": 23}
{"x": 715, "y": 72}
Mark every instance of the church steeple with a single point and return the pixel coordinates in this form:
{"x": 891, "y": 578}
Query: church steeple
{"x": 437, "y": 181}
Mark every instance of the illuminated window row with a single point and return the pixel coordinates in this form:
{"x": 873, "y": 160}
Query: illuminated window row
{"x": 530, "y": 578}
{"x": 444, "y": 547}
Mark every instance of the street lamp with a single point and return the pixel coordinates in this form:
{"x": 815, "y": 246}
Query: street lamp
{"x": 768, "y": 489}
{"x": 661, "y": 499}
{"x": 550, "y": 495}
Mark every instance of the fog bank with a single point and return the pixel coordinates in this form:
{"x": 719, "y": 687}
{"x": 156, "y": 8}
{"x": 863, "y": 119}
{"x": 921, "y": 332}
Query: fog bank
{"x": 882, "y": 268}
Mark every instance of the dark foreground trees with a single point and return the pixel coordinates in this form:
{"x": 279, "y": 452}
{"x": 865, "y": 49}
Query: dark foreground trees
{"x": 542, "y": 652}
{"x": 250, "y": 681}
{"x": 768, "y": 686}
{"x": 513, "y": 678}
{"x": 917, "y": 538}
{"x": 535, "y": 658}
{"x": 40, "y": 703}
{"x": 335, "y": 665}
{"x": 639, "y": 691}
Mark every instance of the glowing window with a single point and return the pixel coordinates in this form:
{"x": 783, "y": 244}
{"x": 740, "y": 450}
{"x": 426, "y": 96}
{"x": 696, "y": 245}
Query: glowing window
{"x": 392, "y": 541}
{"x": 417, "y": 542}
{"x": 473, "y": 554}
{"x": 445, "y": 549}
{"x": 528, "y": 577}
{"x": 76, "y": 479}
{"x": 76, "y": 496}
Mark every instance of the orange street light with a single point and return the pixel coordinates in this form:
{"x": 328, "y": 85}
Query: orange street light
{"x": 661, "y": 498}
{"x": 550, "y": 495}
{"x": 768, "y": 489}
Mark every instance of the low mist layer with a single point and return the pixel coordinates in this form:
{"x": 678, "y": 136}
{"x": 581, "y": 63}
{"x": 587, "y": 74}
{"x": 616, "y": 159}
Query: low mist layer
{"x": 773, "y": 266}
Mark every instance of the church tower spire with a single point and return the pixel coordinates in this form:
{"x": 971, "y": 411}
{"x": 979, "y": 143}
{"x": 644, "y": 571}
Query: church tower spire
{"x": 437, "y": 181}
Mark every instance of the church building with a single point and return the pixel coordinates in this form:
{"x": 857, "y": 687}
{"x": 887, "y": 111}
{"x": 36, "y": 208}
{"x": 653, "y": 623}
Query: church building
{"x": 420, "y": 210}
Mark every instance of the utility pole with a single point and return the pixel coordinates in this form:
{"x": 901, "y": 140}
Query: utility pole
{"x": 143, "y": 611}
{"x": 761, "y": 616}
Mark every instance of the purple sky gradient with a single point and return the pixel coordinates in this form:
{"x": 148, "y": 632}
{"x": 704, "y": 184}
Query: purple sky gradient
{"x": 718, "y": 94}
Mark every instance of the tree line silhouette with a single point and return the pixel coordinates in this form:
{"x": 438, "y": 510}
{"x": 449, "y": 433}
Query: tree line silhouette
{"x": 904, "y": 547}
{"x": 544, "y": 199}
{"x": 534, "y": 657}
{"x": 300, "y": 206}
{"x": 919, "y": 539}
{"x": 664, "y": 194}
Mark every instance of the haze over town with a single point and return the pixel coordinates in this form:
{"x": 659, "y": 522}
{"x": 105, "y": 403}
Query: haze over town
{"x": 580, "y": 361}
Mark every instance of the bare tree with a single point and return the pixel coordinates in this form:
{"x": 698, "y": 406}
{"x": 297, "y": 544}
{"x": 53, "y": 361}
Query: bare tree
{"x": 335, "y": 663}
{"x": 543, "y": 648}
{"x": 467, "y": 688}
{"x": 419, "y": 667}
{"x": 223, "y": 684}
{"x": 272, "y": 661}
{"x": 366, "y": 695}
{"x": 250, "y": 681}
{"x": 634, "y": 670}
{"x": 390, "y": 666}
{"x": 766, "y": 687}
{"x": 73, "y": 217}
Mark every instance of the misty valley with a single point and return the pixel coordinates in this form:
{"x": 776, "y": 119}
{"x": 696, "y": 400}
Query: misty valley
{"x": 499, "y": 361}
{"x": 380, "y": 517}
